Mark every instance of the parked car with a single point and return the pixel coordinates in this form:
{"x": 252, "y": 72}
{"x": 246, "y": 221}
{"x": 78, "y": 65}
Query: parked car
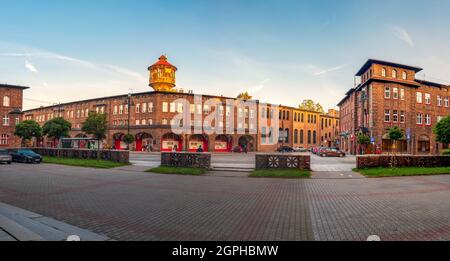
{"x": 25, "y": 156}
{"x": 332, "y": 153}
{"x": 5, "y": 157}
{"x": 285, "y": 149}
{"x": 300, "y": 149}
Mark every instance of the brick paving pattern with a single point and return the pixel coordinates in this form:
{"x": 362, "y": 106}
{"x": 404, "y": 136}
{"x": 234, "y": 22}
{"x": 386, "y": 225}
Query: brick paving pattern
{"x": 128, "y": 205}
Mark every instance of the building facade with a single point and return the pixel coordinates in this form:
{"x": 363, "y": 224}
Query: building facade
{"x": 390, "y": 95}
{"x": 149, "y": 116}
{"x": 11, "y": 99}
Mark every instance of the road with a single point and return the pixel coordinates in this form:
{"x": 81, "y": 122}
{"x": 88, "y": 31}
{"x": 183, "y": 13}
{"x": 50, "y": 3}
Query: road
{"x": 128, "y": 205}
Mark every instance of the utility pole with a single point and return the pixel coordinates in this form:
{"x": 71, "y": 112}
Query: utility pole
{"x": 129, "y": 112}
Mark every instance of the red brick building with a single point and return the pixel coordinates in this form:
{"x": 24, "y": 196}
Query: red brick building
{"x": 390, "y": 95}
{"x": 149, "y": 116}
{"x": 11, "y": 98}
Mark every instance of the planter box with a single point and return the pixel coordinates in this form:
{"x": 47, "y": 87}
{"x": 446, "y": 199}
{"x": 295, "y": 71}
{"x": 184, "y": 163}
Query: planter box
{"x": 375, "y": 161}
{"x": 283, "y": 161}
{"x": 111, "y": 155}
{"x": 186, "y": 159}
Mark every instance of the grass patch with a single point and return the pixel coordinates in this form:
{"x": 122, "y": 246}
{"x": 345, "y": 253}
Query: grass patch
{"x": 178, "y": 171}
{"x": 399, "y": 172}
{"x": 86, "y": 163}
{"x": 281, "y": 173}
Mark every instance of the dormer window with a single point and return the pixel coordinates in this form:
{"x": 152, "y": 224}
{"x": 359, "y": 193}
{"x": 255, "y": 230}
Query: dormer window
{"x": 404, "y": 76}
{"x": 383, "y": 72}
{"x": 394, "y": 74}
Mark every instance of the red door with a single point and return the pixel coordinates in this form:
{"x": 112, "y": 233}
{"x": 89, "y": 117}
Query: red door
{"x": 117, "y": 144}
{"x": 139, "y": 145}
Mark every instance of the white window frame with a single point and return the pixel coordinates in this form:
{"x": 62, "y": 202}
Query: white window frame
{"x": 4, "y": 139}
{"x": 419, "y": 119}
{"x": 387, "y": 116}
{"x": 165, "y": 107}
{"x": 387, "y": 92}
{"x": 395, "y": 93}
{"x": 402, "y": 117}
{"x": 427, "y": 98}
{"x": 428, "y": 119}
{"x": 6, "y": 101}
{"x": 402, "y": 94}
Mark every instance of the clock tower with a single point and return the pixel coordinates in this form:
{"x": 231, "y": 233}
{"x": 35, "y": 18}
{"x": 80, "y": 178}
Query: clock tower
{"x": 162, "y": 75}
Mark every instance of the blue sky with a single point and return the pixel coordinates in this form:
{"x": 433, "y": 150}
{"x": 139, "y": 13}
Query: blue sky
{"x": 280, "y": 51}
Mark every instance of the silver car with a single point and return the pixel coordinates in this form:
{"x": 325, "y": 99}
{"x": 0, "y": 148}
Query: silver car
{"x": 5, "y": 157}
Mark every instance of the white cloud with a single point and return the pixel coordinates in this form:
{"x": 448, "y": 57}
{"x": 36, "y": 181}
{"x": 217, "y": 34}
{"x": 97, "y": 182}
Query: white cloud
{"x": 55, "y": 56}
{"x": 30, "y": 67}
{"x": 319, "y": 72}
{"x": 403, "y": 35}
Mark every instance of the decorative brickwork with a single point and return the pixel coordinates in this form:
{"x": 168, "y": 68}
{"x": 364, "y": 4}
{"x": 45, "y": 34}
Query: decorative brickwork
{"x": 283, "y": 161}
{"x": 111, "y": 155}
{"x": 186, "y": 159}
{"x": 402, "y": 161}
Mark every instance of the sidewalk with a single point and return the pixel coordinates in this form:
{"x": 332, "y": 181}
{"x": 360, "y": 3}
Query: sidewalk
{"x": 21, "y": 225}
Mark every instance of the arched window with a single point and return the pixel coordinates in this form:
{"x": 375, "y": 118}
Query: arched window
{"x": 6, "y": 101}
{"x": 404, "y": 75}
{"x": 383, "y": 72}
{"x": 296, "y": 136}
{"x": 287, "y": 135}
{"x": 309, "y": 137}
{"x": 394, "y": 74}
{"x": 301, "y": 137}
{"x": 314, "y": 137}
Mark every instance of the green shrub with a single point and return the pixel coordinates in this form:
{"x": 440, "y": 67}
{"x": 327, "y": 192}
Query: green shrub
{"x": 446, "y": 152}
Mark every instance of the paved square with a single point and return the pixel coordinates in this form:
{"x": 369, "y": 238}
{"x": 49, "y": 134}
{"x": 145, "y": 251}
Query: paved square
{"x": 131, "y": 205}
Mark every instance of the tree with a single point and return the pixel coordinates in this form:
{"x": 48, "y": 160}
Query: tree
{"x": 442, "y": 130}
{"x": 395, "y": 134}
{"x": 96, "y": 125}
{"x": 27, "y": 130}
{"x": 244, "y": 96}
{"x": 57, "y": 128}
{"x": 128, "y": 139}
{"x": 310, "y": 105}
{"x": 363, "y": 140}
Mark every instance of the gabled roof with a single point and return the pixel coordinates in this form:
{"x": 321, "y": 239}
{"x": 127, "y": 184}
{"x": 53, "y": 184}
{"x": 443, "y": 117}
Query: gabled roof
{"x": 369, "y": 63}
{"x": 13, "y": 86}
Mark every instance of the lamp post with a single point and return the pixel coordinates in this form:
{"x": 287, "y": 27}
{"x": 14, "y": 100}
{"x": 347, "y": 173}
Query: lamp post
{"x": 129, "y": 111}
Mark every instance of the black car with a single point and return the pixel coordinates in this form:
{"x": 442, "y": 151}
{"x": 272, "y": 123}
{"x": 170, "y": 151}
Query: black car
{"x": 285, "y": 149}
{"x": 25, "y": 156}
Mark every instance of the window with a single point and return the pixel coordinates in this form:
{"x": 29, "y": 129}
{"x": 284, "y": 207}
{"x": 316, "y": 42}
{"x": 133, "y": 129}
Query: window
{"x": 387, "y": 92}
{"x": 115, "y": 123}
{"x": 314, "y": 137}
{"x": 138, "y": 122}
{"x": 6, "y": 120}
{"x": 144, "y": 122}
{"x": 394, "y": 74}
{"x": 309, "y": 137}
{"x": 419, "y": 97}
{"x": 6, "y": 101}
{"x": 383, "y": 72}
{"x": 206, "y": 109}
{"x": 138, "y": 108}
{"x": 402, "y": 117}
{"x": 439, "y": 118}
{"x": 144, "y": 108}
{"x": 121, "y": 109}
{"x": 402, "y": 94}
{"x": 180, "y": 107}
{"x": 150, "y": 107}
{"x": 82, "y": 114}
{"x": 164, "y": 122}
{"x": 150, "y": 122}
{"x": 404, "y": 75}
{"x": 87, "y": 113}
{"x": 4, "y": 139}
{"x": 172, "y": 107}
{"x": 387, "y": 115}
{"x": 428, "y": 119}
{"x": 419, "y": 119}
{"x": 446, "y": 102}
{"x": 296, "y": 136}
{"x": 126, "y": 109}
{"x": 439, "y": 100}
{"x": 301, "y": 137}
{"x": 427, "y": 98}
{"x": 263, "y": 135}
{"x": 395, "y": 116}
{"x": 395, "y": 93}
{"x": 199, "y": 109}
{"x": 165, "y": 107}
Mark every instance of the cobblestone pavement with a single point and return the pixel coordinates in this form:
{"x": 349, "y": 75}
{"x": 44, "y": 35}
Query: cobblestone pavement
{"x": 127, "y": 205}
